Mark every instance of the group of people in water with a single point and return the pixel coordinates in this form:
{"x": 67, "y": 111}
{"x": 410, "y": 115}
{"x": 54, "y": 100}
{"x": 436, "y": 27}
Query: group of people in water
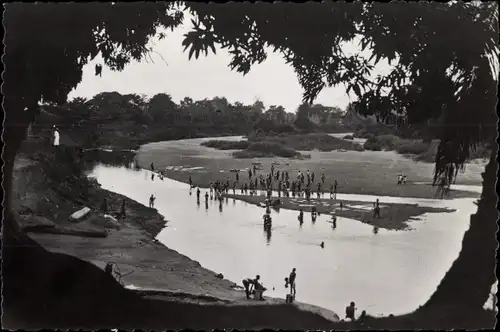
{"x": 282, "y": 182}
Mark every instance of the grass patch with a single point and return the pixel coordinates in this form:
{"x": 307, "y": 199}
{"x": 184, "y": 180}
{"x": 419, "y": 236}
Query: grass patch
{"x": 283, "y": 145}
{"x": 226, "y": 145}
{"x": 267, "y": 149}
{"x": 309, "y": 142}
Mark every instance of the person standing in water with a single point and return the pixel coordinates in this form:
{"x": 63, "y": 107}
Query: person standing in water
{"x": 291, "y": 281}
{"x": 152, "y": 201}
{"x": 376, "y": 210}
{"x": 301, "y": 215}
{"x": 206, "y": 197}
{"x": 323, "y": 177}
{"x": 350, "y": 311}
{"x": 152, "y": 167}
{"x": 190, "y": 182}
{"x": 198, "y": 194}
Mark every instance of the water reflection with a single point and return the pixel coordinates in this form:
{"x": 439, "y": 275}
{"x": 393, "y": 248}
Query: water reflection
{"x": 374, "y": 270}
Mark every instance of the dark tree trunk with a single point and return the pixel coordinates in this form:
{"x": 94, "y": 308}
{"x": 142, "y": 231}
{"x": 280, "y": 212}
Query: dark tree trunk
{"x": 14, "y": 134}
{"x": 468, "y": 282}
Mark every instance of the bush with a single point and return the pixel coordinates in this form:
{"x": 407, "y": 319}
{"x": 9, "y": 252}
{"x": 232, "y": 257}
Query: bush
{"x": 273, "y": 149}
{"x": 388, "y": 142}
{"x": 372, "y": 144}
{"x": 350, "y": 137}
{"x": 321, "y": 142}
{"x": 412, "y": 147}
{"x": 226, "y": 145}
{"x": 481, "y": 152}
{"x": 376, "y": 130}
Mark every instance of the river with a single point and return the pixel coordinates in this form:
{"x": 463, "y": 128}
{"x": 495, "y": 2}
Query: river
{"x": 383, "y": 273}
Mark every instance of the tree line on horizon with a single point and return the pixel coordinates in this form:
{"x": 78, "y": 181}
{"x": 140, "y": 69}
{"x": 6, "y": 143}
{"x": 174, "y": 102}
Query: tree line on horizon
{"x": 163, "y": 118}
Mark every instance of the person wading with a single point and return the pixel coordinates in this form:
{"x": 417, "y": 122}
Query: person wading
{"x": 350, "y": 311}
{"x": 376, "y": 210}
{"x": 291, "y": 281}
{"x": 152, "y": 201}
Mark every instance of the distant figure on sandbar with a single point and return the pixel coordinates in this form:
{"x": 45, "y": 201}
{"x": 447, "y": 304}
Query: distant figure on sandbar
{"x": 152, "y": 167}
{"x": 198, "y": 194}
{"x": 190, "y": 182}
{"x": 334, "y": 222}
{"x": 206, "y": 197}
{"x": 322, "y": 245}
{"x": 301, "y": 216}
{"x": 152, "y": 201}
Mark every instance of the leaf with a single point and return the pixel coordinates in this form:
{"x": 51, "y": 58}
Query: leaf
{"x": 212, "y": 46}
{"x": 191, "y": 51}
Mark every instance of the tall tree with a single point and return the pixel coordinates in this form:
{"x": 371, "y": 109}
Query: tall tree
{"x": 161, "y": 107}
{"x": 46, "y": 47}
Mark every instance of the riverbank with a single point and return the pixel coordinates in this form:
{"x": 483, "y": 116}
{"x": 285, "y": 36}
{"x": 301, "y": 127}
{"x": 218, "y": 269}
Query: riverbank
{"x": 44, "y": 203}
{"x": 392, "y": 216}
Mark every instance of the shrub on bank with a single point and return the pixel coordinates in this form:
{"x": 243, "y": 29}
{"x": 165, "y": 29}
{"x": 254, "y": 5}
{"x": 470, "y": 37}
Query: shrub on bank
{"x": 349, "y": 137}
{"x": 372, "y": 144}
{"x": 321, "y": 142}
{"x": 226, "y": 145}
{"x": 267, "y": 149}
{"x": 429, "y": 155}
{"x": 388, "y": 142}
{"x": 375, "y": 130}
{"x": 415, "y": 147}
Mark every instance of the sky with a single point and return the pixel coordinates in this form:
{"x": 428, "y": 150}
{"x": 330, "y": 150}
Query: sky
{"x": 273, "y": 82}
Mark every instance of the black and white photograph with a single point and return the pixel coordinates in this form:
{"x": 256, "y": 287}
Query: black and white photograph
{"x": 250, "y": 165}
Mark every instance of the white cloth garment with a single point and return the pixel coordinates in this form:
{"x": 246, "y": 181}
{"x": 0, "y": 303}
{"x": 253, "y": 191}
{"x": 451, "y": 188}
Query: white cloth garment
{"x": 56, "y": 137}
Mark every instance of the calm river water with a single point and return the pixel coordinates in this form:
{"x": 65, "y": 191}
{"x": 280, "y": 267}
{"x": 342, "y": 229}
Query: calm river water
{"x": 388, "y": 272}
